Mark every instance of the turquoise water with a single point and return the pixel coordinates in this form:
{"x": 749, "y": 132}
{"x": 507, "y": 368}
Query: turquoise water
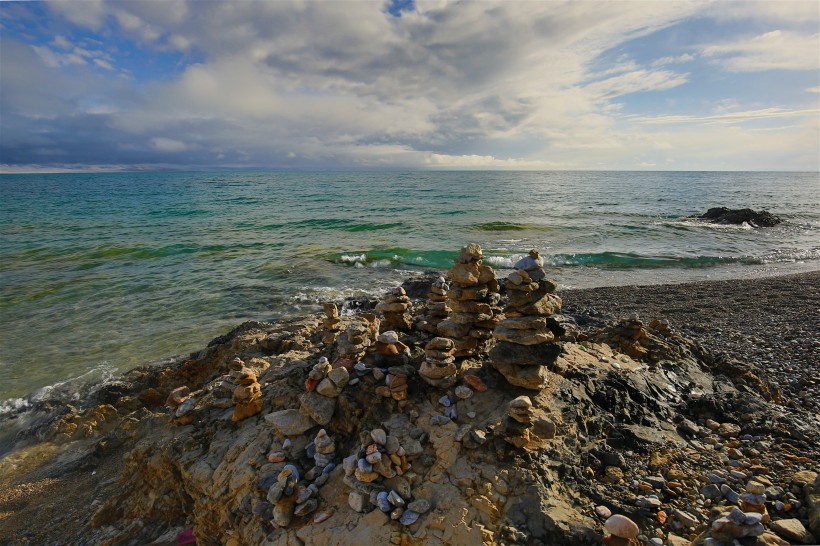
{"x": 102, "y": 272}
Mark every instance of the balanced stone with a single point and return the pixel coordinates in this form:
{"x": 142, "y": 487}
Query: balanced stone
{"x": 247, "y": 394}
{"x": 473, "y": 299}
{"x": 438, "y": 368}
{"x": 523, "y": 338}
{"x": 394, "y": 308}
{"x": 437, "y": 308}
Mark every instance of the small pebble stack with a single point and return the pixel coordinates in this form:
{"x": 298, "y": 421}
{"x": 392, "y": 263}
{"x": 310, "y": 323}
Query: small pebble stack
{"x": 247, "y": 392}
{"x": 437, "y": 309}
{"x": 380, "y": 457}
{"x": 394, "y": 310}
{"x": 516, "y": 426}
{"x": 439, "y": 368}
{"x": 331, "y": 323}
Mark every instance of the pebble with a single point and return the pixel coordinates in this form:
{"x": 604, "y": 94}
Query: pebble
{"x": 729, "y": 494}
{"x": 603, "y": 511}
{"x": 276, "y": 457}
{"x": 444, "y": 401}
{"x": 306, "y": 508}
{"x": 409, "y": 517}
{"x": 451, "y": 413}
{"x": 382, "y": 502}
{"x": 322, "y": 516}
{"x": 395, "y": 499}
{"x": 463, "y": 392}
{"x": 378, "y": 375}
{"x": 439, "y": 420}
{"x": 420, "y": 506}
{"x": 353, "y": 381}
{"x": 471, "y": 414}
{"x": 364, "y": 466}
{"x": 379, "y": 436}
{"x": 360, "y": 367}
{"x": 186, "y": 407}
{"x": 622, "y": 526}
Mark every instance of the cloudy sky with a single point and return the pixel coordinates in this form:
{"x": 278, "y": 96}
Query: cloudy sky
{"x": 430, "y": 84}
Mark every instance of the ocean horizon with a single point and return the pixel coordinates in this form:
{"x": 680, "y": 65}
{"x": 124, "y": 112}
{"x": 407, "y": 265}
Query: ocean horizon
{"x": 104, "y": 271}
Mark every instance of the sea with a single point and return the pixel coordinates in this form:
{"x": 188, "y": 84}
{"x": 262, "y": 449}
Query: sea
{"x": 102, "y": 272}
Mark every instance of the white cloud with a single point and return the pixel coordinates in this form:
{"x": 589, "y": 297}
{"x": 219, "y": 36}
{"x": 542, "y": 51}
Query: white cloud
{"x": 775, "y": 50}
{"x": 635, "y": 82}
{"x": 164, "y": 144}
{"x": 813, "y": 90}
{"x": 729, "y": 117}
{"x": 88, "y": 13}
{"x": 663, "y": 61}
{"x": 449, "y": 84}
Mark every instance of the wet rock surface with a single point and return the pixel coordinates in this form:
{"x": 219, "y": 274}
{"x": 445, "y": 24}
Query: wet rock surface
{"x": 723, "y": 215}
{"x": 678, "y": 428}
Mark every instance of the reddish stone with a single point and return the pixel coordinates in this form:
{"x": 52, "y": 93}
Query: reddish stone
{"x": 475, "y": 382}
{"x": 345, "y": 363}
{"x": 384, "y": 390}
{"x": 310, "y": 384}
{"x": 178, "y": 396}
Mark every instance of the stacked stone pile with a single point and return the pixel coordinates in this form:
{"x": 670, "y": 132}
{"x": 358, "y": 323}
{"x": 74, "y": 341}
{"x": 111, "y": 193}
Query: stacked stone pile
{"x": 391, "y": 360}
{"x": 324, "y": 384}
{"x": 474, "y": 300}
{"x": 359, "y": 335}
{"x": 247, "y": 393}
{"x": 394, "y": 309}
{"x": 735, "y": 525}
{"x": 283, "y": 495}
{"x": 439, "y": 368}
{"x": 379, "y": 458}
{"x": 437, "y": 309}
{"x": 516, "y": 426}
{"x": 525, "y": 346}
{"x": 331, "y": 323}
{"x": 390, "y": 351}
{"x": 525, "y": 425}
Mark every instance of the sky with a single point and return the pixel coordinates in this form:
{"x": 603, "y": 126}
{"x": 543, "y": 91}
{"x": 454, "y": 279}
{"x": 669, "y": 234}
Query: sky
{"x": 409, "y": 84}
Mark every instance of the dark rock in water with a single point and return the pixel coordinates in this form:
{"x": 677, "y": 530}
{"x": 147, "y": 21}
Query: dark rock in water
{"x": 723, "y": 215}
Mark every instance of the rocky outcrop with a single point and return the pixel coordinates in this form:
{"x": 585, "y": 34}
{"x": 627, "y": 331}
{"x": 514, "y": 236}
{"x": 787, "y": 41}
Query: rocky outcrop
{"x": 723, "y": 215}
{"x": 656, "y": 443}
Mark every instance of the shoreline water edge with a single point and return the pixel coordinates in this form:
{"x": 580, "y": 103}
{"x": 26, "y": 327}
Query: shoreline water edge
{"x": 669, "y": 413}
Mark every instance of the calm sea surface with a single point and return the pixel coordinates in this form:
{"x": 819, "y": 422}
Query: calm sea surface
{"x": 102, "y": 272}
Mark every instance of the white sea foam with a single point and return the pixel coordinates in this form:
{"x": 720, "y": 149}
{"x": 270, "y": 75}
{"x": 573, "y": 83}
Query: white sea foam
{"x": 503, "y": 262}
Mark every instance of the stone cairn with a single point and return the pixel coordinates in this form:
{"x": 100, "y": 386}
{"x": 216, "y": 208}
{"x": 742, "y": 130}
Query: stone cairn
{"x": 380, "y": 457}
{"x": 291, "y": 496}
{"x": 324, "y": 384}
{"x": 283, "y": 495}
{"x": 392, "y": 354}
{"x": 439, "y": 366}
{"x": 247, "y": 393}
{"x": 515, "y": 429}
{"x": 331, "y": 323}
{"x": 359, "y": 335}
{"x": 473, "y": 299}
{"x": 524, "y": 343}
{"x": 394, "y": 310}
{"x": 736, "y": 524}
{"x": 437, "y": 309}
